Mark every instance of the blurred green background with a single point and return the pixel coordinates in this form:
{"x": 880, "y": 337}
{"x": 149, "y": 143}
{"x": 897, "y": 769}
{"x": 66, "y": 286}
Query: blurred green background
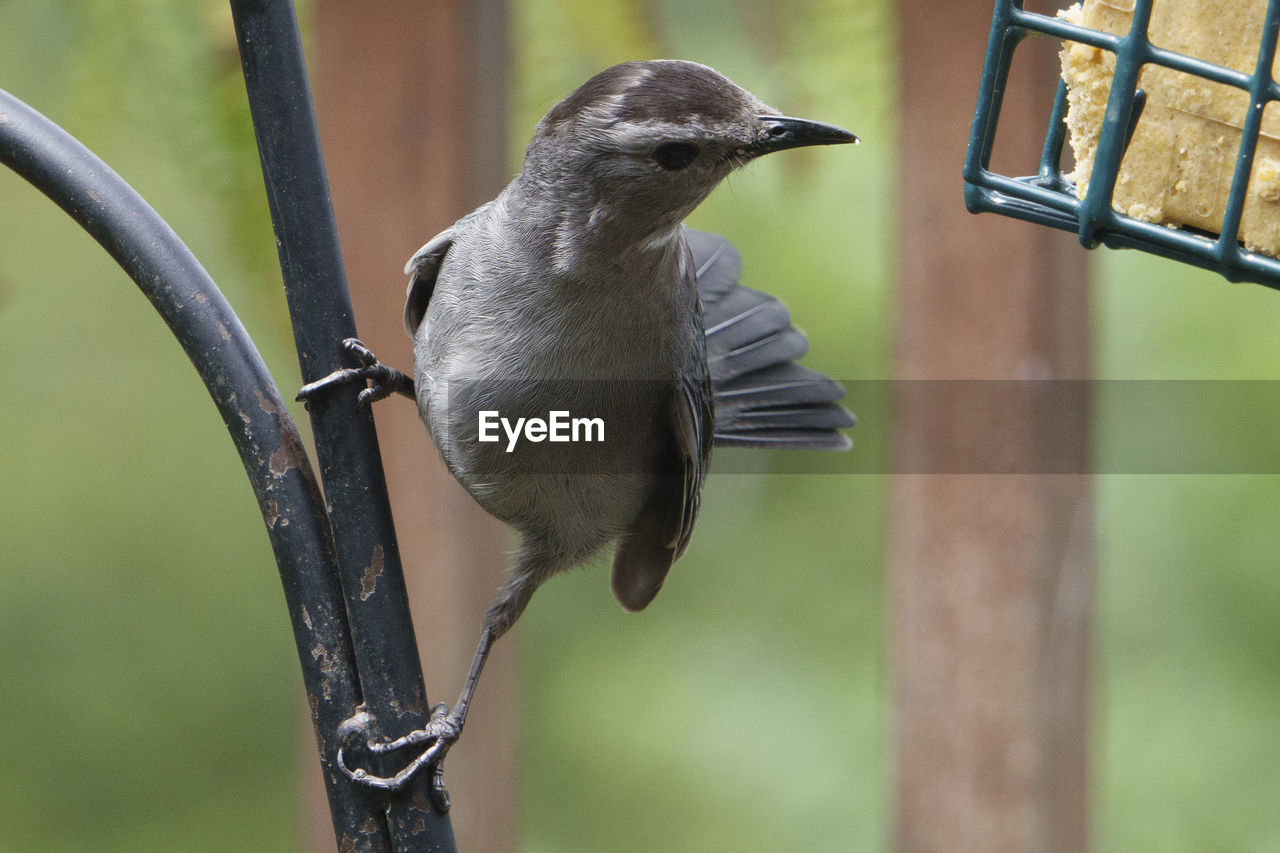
{"x": 149, "y": 695}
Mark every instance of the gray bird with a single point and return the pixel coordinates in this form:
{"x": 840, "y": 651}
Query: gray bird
{"x": 580, "y": 290}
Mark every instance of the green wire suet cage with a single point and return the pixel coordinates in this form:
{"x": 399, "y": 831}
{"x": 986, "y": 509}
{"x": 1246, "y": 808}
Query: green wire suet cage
{"x": 1049, "y": 198}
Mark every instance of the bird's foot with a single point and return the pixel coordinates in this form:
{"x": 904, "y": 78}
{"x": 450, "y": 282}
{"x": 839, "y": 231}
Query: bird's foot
{"x": 382, "y": 381}
{"x": 440, "y": 733}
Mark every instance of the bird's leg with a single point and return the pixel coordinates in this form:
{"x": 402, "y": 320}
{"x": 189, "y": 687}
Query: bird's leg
{"x": 382, "y": 381}
{"x": 445, "y": 726}
{"x": 441, "y": 732}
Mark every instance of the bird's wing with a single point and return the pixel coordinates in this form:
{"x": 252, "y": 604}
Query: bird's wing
{"x": 694, "y": 419}
{"x": 423, "y": 268}
{"x": 762, "y": 397}
{"x": 661, "y": 532}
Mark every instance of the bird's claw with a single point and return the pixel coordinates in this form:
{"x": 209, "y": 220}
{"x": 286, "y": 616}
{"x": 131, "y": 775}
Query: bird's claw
{"x": 382, "y": 381}
{"x": 441, "y": 732}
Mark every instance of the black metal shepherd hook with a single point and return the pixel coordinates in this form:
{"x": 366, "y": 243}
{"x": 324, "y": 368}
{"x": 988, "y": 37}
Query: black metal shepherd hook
{"x": 356, "y": 646}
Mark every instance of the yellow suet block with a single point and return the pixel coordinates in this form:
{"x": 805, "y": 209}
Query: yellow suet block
{"x": 1178, "y": 168}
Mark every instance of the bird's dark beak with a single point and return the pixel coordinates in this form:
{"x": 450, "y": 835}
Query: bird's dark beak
{"x": 779, "y": 132}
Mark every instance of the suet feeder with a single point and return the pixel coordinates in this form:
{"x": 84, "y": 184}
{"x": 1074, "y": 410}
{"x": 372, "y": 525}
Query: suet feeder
{"x": 1208, "y": 161}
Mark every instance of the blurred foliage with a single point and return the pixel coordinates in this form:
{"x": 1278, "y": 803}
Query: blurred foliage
{"x": 1188, "y": 696}
{"x": 148, "y": 685}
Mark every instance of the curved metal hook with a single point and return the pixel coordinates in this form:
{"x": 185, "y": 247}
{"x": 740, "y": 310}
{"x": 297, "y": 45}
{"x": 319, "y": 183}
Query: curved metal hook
{"x": 261, "y": 427}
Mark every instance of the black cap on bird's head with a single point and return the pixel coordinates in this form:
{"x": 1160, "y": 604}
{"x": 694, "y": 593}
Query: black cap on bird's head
{"x": 659, "y": 135}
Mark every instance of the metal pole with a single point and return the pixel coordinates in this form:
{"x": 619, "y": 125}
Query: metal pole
{"x": 346, "y": 443}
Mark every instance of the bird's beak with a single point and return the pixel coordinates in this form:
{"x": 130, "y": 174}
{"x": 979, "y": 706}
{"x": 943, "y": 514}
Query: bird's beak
{"x": 779, "y": 132}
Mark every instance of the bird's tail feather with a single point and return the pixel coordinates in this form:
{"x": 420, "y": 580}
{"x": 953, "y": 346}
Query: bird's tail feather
{"x": 762, "y": 397}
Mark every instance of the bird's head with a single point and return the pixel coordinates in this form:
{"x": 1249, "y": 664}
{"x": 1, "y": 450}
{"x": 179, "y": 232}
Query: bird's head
{"x": 643, "y": 143}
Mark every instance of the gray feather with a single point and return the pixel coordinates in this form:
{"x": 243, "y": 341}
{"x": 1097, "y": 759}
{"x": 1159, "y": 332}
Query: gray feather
{"x": 664, "y": 526}
{"x": 762, "y": 397}
{"x": 423, "y": 269}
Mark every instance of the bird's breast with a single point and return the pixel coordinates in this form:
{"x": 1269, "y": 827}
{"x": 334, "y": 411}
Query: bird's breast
{"x": 551, "y": 380}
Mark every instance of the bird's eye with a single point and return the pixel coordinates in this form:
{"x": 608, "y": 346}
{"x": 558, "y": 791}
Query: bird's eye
{"x": 675, "y": 155}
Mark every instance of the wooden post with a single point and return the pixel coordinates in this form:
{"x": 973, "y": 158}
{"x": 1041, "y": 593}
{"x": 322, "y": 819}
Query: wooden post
{"x": 411, "y": 101}
{"x": 992, "y": 574}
